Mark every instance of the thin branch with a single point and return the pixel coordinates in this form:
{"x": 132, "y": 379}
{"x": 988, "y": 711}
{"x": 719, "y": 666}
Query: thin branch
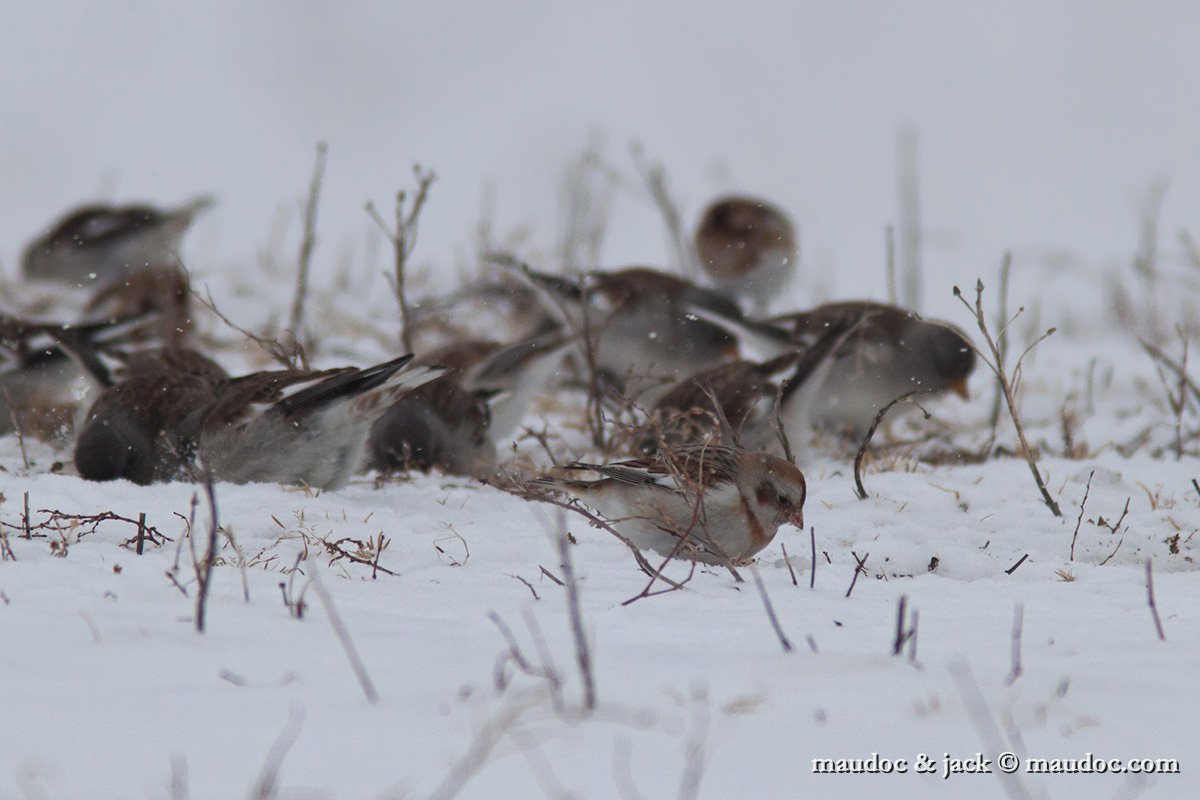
{"x": 860, "y": 567}
{"x": 267, "y": 786}
{"x": 1162, "y": 637}
{"x": 812, "y": 540}
{"x": 204, "y": 567}
{"x": 866, "y": 442}
{"x": 308, "y": 244}
{"x": 770, "y": 609}
{"x": 999, "y": 369}
{"x": 788, "y": 561}
{"x": 582, "y": 653}
{"x": 1082, "y": 506}
{"x": 655, "y": 178}
{"x": 1018, "y": 624}
{"x": 290, "y": 354}
{"x": 404, "y": 240}
{"x": 343, "y": 635}
{"x": 1017, "y": 565}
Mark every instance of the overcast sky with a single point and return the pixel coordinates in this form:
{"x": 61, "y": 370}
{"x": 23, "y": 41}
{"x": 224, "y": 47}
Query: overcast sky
{"x": 1040, "y": 124}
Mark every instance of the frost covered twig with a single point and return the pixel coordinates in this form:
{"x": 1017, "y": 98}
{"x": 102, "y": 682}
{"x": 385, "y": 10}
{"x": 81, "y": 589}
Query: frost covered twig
{"x": 1009, "y": 384}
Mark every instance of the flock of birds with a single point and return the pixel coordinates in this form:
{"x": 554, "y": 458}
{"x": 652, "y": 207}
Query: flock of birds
{"x": 719, "y": 392}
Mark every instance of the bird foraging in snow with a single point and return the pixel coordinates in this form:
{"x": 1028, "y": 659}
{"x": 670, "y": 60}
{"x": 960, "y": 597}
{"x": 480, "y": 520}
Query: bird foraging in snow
{"x": 282, "y": 426}
{"x": 704, "y": 502}
{"x": 94, "y": 245}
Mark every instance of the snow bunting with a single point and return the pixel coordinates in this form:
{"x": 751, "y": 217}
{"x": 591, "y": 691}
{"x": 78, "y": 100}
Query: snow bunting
{"x": 747, "y": 402}
{"x": 283, "y": 426}
{"x": 748, "y": 247}
{"x": 40, "y": 385}
{"x": 456, "y": 422}
{"x": 708, "y": 503}
{"x": 144, "y": 427}
{"x": 96, "y": 244}
{"x": 891, "y": 353}
{"x": 644, "y": 339}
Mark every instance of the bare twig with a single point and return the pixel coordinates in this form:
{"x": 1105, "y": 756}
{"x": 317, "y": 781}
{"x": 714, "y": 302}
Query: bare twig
{"x": 910, "y": 217}
{"x": 889, "y": 243}
{"x": 812, "y": 540}
{"x": 514, "y": 655}
{"x": 762, "y": 592}
{"x": 205, "y": 566}
{"x": 901, "y": 634}
{"x": 985, "y": 725}
{"x": 528, "y": 585}
{"x": 267, "y": 786}
{"x": 1002, "y": 322}
{"x": 788, "y": 561}
{"x": 343, "y": 635}
{"x": 16, "y": 424}
{"x": 582, "y": 653}
{"x": 308, "y": 244}
{"x": 289, "y": 353}
{"x": 655, "y": 178}
{"x": 866, "y": 442}
{"x": 1018, "y": 624}
{"x": 1150, "y": 600}
{"x": 860, "y": 567}
{"x": 693, "y": 763}
{"x": 1082, "y": 506}
{"x": 1017, "y": 565}
{"x": 404, "y": 240}
{"x": 998, "y": 367}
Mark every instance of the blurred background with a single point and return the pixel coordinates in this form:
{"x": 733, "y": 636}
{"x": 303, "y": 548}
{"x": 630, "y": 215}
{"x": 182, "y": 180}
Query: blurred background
{"x": 1040, "y": 127}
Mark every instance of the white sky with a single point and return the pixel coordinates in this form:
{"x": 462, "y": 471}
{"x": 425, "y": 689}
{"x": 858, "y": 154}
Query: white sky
{"x": 1041, "y": 123}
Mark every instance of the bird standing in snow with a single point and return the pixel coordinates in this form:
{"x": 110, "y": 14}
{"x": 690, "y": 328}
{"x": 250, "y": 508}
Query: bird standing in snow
{"x": 704, "y": 502}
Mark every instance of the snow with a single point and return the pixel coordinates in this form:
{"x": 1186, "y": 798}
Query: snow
{"x": 1042, "y": 129}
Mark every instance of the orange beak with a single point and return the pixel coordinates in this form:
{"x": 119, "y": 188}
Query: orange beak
{"x": 959, "y": 387}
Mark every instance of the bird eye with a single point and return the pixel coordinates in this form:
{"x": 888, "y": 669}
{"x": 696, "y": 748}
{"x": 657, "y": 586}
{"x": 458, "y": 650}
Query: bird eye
{"x": 784, "y": 501}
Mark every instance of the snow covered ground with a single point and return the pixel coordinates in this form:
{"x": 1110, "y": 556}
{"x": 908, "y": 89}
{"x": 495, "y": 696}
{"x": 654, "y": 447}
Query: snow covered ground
{"x": 1042, "y": 129}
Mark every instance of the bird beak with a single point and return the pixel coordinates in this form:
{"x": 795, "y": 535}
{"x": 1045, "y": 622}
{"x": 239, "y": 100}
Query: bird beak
{"x": 959, "y": 387}
{"x": 797, "y": 519}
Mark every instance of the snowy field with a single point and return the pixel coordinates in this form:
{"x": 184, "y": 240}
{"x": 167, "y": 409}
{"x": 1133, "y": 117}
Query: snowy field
{"x": 1061, "y": 132}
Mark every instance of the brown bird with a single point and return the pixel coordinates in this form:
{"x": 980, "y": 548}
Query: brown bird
{"x": 891, "y": 353}
{"x": 644, "y": 337}
{"x": 748, "y": 247}
{"x": 713, "y": 504}
{"x": 282, "y": 426}
{"x": 40, "y": 385}
{"x": 748, "y": 403}
{"x": 94, "y": 245}
{"x": 456, "y": 422}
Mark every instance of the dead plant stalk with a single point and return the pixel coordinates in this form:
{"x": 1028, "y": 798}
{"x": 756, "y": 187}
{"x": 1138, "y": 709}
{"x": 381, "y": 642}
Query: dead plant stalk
{"x": 1008, "y": 385}
{"x": 404, "y": 240}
